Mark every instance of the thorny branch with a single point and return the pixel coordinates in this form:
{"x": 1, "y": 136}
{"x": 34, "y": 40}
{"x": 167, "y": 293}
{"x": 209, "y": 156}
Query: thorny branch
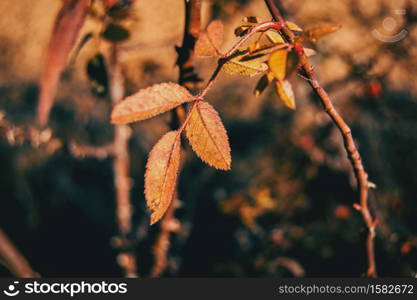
{"x": 353, "y": 153}
{"x": 189, "y": 79}
{"x": 122, "y": 181}
{"x": 186, "y": 65}
{"x": 13, "y": 259}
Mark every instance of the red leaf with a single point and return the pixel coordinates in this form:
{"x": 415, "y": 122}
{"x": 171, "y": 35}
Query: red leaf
{"x": 67, "y": 25}
{"x": 150, "y": 102}
{"x": 209, "y": 42}
{"x": 207, "y": 136}
{"x": 161, "y": 174}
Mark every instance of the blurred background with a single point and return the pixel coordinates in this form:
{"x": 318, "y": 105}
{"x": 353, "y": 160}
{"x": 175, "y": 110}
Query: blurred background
{"x": 285, "y": 208}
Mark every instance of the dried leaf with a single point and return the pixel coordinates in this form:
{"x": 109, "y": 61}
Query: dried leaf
{"x": 97, "y": 73}
{"x": 241, "y": 64}
{"x": 241, "y": 30}
{"x": 278, "y": 63}
{"x": 317, "y": 32}
{"x": 251, "y": 20}
{"x": 118, "y": 9}
{"x": 161, "y": 174}
{"x": 207, "y": 136}
{"x": 274, "y": 37}
{"x": 263, "y": 83}
{"x": 292, "y": 26}
{"x": 150, "y": 102}
{"x": 285, "y": 93}
{"x": 115, "y": 33}
{"x": 67, "y": 25}
{"x": 209, "y": 41}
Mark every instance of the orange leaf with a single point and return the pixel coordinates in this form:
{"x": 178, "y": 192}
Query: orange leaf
{"x": 149, "y": 102}
{"x": 285, "y": 93}
{"x": 67, "y": 25}
{"x": 209, "y": 41}
{"x": 161, "y": 174}
{"x": 207, "y": 136}
{"x": 278, "y": 63}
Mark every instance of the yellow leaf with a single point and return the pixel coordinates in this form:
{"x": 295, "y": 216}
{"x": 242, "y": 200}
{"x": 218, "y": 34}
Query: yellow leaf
{"x": 277, "y": 63}
{"x": 292, "y": 26}
{"x": 207, "y": 136}
{"x": 285, "y": 93}
{"x": 161, "y": 174}
{"x": 239, "y": 64}
{"x": 149, "y": 102}
{"x": 274, "y": 37}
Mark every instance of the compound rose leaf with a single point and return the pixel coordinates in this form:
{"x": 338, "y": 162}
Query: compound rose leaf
{"x": 150, "y": 102}
{"x": 285, "y": 93}
{"x": 210, "y": 40}
{"x": 161, "y": 174}
{"x": 208, "y": 137}
{"x": 67, "y": 25}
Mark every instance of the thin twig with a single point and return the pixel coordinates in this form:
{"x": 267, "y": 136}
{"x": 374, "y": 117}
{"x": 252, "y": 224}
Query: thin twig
{"x": 189, "y": 79}
{"x": 122, "y": 180}
{"x": 13, "y": 259}
{"x": 351, "y": 149}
